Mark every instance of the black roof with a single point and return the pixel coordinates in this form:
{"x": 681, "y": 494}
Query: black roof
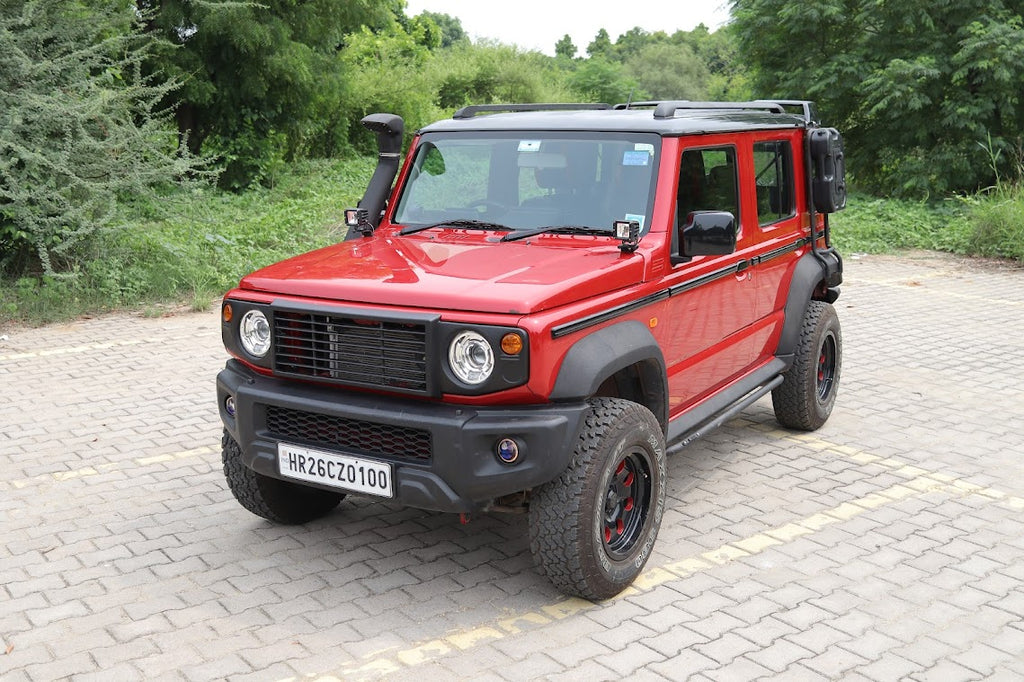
{"x": 662, "y": 118}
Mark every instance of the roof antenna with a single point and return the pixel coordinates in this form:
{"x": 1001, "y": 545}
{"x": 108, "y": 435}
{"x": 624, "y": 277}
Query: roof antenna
{"x": 629, "y": 100}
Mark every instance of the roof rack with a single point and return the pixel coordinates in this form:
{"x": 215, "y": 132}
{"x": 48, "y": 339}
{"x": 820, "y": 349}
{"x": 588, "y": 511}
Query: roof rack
{"x": 668, "y": 108}
{"x": 807, "y": 108}
{"x": 474, "y": 109}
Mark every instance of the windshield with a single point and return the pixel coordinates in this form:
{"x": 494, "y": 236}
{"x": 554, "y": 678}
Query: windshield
{"x": 524, "y": 181}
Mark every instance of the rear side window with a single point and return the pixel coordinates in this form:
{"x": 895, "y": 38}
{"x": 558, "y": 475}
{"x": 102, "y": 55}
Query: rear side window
{"x": 773, "y": 171}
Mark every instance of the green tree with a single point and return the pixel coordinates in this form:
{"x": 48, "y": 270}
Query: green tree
{"x": 259, "y": 78}
{"x": 632, "y": 42}
{"x": 79, "y": 127}
{"x": 601, "y": 46}
{"x": 600, "y": 80}
{"x": 494, "y": 73}
{"x": 387, "y": 72}
{"x": 727, "y": 74}
{"x": 565, "y": 47}
{"x": 919, "y": 88}
{"x": 665, "y": 71}
{"x": 452, "y": 33}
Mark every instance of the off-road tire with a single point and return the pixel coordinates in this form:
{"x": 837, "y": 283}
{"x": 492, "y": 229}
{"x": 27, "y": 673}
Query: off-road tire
{"x": 617, "y": 474}
{"x": 805, "y": 398}
{"x": 273, "y": 499}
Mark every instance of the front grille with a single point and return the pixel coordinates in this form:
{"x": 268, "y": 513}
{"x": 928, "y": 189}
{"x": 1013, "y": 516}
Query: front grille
{"x": 356, "y": 352}
{"x": 381, "y": 440}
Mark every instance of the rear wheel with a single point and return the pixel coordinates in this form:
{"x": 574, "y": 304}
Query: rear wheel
{"x": 271, "y": 498}
{"x": 805, "y": 398}
{"x": 592, "y": 528}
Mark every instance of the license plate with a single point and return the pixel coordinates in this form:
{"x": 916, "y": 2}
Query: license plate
{"x": 339, "y": 471}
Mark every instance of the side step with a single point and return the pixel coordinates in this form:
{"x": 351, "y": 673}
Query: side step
{"x": 707, "y": 417}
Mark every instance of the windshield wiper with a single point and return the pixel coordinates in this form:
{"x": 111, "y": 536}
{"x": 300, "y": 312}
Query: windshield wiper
{"x": 461, "y": 222}
{"x": 571, "y": 229}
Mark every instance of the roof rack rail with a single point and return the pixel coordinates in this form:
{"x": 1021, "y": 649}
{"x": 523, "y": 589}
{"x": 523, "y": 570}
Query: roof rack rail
{"x": 474, "y": 109}
{"x": 807, "y": 108}
{"x": 668, "y": 108}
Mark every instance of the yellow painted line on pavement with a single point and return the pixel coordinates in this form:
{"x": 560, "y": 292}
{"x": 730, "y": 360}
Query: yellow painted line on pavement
{"x": 85, "y": 472}
{"x": 915, "y": 284}
{"x": 507, "y": 625}
{"x": 72, "y": 350}
{"x": 918, "y": 482}
{"x": 918, "y": 477}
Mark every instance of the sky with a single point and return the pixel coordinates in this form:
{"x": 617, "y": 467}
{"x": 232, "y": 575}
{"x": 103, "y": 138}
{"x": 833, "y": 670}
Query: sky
{"x": 539, "y": 24}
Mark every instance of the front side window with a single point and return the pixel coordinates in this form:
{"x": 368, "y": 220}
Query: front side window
{"x": 707, "y": 182}
{"x": 773, "y": 171}
{"x": 531, "y": 180}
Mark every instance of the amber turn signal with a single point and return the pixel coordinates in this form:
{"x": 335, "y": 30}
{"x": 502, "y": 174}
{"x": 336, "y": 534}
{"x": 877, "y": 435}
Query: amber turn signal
{"x": 226, "y": 313}
{"x": 512, "y": 344}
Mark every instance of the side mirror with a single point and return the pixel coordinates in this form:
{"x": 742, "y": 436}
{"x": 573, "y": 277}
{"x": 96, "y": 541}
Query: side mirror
{"x": 829, "y": 164}
{"x": 706, "y": 233}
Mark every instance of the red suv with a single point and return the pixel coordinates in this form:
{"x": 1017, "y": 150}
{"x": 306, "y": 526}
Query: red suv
{"x": 549, "y": 299}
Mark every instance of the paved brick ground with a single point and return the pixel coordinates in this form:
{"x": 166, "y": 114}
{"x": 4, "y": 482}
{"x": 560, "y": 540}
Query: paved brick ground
{"x": 887, "y": 546}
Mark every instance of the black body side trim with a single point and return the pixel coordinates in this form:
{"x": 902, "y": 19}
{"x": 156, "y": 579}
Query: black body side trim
{"x": 705, "y": 279}
{"x": 619, "y": 310}
{"x": 781, "y": 251}
{"x": 610, "y": 314}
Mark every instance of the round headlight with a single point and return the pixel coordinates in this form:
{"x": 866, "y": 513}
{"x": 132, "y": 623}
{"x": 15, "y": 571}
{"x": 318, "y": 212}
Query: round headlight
{"x": 471, "y": 358}
{"x": 254, "y": 332}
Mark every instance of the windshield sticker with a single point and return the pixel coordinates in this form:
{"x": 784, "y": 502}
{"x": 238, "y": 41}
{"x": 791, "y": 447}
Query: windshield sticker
{"x": 529, "y": 145}
{"x": 644, "y": 147}
{"x": 635, "y": 158}
{"x": 637, "y": 217}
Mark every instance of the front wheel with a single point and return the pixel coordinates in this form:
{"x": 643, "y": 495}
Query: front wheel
{"x": 273, "y": 499}
{"x": 592, "y": 528}
{"x": 805, "y": 398}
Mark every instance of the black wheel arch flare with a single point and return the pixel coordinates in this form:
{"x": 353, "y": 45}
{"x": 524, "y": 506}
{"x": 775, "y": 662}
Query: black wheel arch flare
{"x": 609, "y": 350}
{"x": 808, "y": 277}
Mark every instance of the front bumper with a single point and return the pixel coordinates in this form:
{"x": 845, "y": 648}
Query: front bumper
{"x": 454, "y": 466}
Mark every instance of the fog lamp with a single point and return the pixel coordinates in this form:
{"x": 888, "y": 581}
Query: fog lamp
{"x": 508, "y": 450}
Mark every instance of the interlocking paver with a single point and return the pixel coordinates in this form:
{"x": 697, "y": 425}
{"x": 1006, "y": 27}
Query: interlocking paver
{"x": 123, "y": 556}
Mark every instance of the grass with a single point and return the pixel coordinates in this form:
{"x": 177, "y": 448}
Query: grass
{"x": 188, "y": 250}
{"x": 875, "y": 225}
{"x": 989, "y": 224}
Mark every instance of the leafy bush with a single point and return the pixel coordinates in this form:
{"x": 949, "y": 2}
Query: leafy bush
{"x": 877, "y": 225}
{"x": 79, "y": 128}
{"x": 192, "y": 245}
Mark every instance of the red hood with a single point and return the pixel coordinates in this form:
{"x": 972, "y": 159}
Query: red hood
{"x": 457, "y": 271}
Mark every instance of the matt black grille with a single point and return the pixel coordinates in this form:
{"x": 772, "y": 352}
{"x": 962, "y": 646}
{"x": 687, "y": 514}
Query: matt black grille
{"x": 374, "y": 353}
{"x": 349, "y": 434}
